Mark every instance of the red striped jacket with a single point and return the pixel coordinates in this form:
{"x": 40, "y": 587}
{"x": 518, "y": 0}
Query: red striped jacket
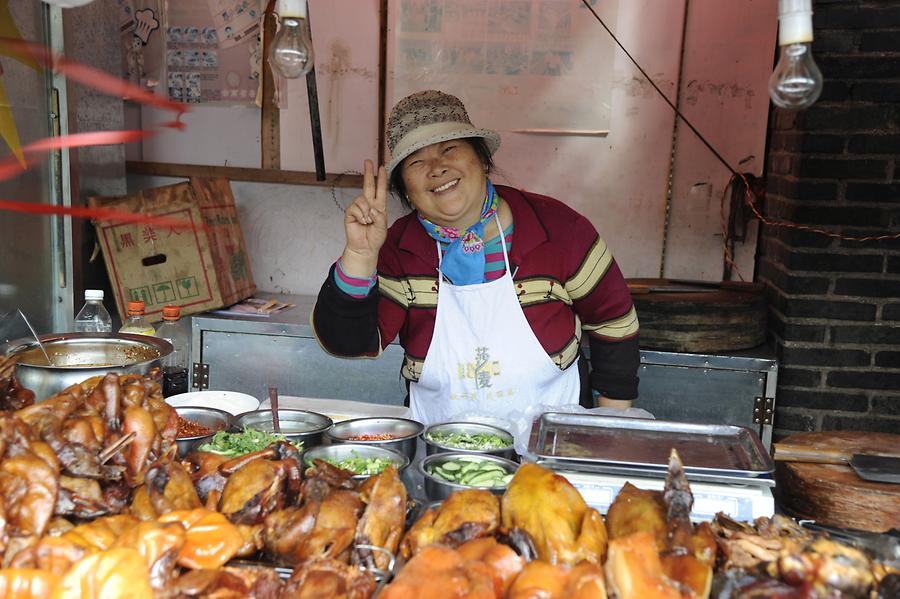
{"x": 564, "y": 274}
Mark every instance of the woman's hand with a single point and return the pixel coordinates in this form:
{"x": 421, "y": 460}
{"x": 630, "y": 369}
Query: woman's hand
{"x": 365, "y": 223}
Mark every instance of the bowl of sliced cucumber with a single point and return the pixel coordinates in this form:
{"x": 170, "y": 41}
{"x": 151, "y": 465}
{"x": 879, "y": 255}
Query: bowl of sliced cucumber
{"x": 445, "y": 473}
{"x": 469, "y": 437}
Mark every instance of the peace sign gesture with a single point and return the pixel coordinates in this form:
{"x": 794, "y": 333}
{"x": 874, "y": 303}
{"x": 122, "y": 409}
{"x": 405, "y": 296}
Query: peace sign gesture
{"x": 365, "y": 224}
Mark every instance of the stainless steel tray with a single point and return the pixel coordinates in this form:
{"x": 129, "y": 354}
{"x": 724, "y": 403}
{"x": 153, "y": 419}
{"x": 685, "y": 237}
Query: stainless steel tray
{"x": 626, "y": 472}
{"x": 571, "y": 439}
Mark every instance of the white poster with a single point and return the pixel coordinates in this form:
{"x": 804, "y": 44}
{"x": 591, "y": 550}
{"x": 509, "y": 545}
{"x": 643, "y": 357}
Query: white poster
{"x": 527, "y": 65}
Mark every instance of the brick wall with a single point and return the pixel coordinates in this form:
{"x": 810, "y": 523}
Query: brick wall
{"x": 834, "y": 303}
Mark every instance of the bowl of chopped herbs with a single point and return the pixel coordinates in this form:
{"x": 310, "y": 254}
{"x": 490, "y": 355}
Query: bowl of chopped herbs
{"x": 242, "y": 442}
{"x": 469, "y": 437}
{"x": 362, "y": 460}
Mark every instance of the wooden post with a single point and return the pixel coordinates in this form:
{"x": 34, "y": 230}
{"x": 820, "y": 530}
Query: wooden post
{"x": 270, "y": 117}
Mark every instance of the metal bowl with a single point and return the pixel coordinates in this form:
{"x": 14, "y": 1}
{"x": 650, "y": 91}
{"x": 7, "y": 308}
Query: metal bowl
{"x": 433, "y": 447}
{"x": 405, "y": 433}
{"x": 218, "y": 420}
{"x": 80, "y": 356}
{"x": 350, "y": 450}
{"x": 438, "y": 490}
{"x": 296, "y": 425}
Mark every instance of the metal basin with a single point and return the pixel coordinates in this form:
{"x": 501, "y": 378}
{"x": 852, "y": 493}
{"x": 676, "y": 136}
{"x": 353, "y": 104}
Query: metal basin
{"x": 80, "y": 356}
{"x": 296, "y": 425}
{"x": 404, "y": 433}
{"x": 437, "y": 489}
{"x": 432, "y": 447}
{"x": 337, "y": 453}
{"x": 217, "y": 420}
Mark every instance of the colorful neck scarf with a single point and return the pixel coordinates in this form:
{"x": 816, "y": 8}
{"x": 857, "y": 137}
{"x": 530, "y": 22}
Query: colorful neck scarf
{"x": 463, "y": 261}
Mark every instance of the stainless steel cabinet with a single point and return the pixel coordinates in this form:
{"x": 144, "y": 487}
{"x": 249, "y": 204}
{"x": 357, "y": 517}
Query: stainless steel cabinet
{"x": 737, "y": 389}
{"x": 250, "y": 354}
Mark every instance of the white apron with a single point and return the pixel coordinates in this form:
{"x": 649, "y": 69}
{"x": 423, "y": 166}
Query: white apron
{"x": 484, "y": 362}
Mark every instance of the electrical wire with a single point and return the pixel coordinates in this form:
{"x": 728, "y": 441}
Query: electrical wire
{"x": 749, "y": 196}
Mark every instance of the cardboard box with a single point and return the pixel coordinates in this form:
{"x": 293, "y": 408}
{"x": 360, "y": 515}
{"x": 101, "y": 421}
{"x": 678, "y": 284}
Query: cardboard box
{"x": 198, "y": 269}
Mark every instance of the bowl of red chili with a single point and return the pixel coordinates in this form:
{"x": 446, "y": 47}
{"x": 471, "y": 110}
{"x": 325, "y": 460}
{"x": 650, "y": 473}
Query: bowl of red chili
{"x": 397, "y": 434}
{"x": 197, "y": 425}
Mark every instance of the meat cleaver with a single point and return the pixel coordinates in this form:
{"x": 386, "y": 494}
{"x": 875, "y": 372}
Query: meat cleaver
{"x": 868, "y": 466}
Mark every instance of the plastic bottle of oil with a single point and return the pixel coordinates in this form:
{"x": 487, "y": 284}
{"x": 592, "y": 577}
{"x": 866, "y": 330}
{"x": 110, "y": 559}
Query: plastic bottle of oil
{"x": 136, "y": 323}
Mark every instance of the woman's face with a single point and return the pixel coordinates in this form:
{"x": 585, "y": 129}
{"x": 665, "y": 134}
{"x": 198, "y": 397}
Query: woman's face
{"x": 446, "y": 183}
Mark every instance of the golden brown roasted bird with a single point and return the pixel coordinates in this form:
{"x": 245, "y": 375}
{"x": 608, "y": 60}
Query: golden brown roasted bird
{"x": 547, "y": 507}
{"x": 465, "y": 515}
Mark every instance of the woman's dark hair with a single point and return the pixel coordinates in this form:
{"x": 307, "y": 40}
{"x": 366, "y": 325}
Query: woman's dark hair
{"x": 481, "y": 150}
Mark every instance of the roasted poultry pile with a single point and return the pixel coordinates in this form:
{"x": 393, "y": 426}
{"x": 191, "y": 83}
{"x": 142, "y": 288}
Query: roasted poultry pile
{"x": 540, "y": 540}
{"x": 94, "y": 503}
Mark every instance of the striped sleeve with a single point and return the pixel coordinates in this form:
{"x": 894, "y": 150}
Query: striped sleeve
{"x": 602, "y": 301}
{"x": 353, "y": 286}
{"x": 599, "y": 292}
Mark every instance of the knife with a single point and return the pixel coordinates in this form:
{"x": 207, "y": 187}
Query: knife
{"x": 872, "y": 467}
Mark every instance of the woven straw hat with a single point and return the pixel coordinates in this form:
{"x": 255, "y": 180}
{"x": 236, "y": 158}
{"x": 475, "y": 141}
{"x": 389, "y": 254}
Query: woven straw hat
{"x": 430, "y": 117}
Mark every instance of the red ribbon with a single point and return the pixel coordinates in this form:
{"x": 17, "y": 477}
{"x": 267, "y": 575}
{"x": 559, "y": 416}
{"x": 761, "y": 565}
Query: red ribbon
{"x": 92, "y": 77}
{"x": 37, "y": 151}
{"x": 104, "y": 214}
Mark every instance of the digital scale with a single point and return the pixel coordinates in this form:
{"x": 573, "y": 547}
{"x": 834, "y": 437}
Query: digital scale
{"x": 741, "y": 501}
{"x": 727, "y": 466}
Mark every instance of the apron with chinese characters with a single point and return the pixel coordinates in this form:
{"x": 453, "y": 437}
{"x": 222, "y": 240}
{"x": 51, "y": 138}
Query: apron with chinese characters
{"x": 484, "y": 360}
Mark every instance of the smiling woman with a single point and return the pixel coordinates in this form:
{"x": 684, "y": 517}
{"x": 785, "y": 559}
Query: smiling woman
{"x": 445, "y": 182}
{"x": 490, "y": 288}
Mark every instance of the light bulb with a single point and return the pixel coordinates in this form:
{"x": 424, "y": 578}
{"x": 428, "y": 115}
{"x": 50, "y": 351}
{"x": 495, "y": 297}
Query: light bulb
{"x": 291, "y": 54}
{"x": 68, "y": 3}
{"x": 796, "y": 81}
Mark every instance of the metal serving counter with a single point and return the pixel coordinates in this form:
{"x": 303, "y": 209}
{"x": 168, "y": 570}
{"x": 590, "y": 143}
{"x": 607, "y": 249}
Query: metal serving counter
{"x": 250, "y": 353}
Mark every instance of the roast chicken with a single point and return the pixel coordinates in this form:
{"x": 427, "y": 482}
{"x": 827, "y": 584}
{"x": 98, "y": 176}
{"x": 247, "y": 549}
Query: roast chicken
{"x": 440, "y": 572}
{"x": 655, "y": 551}
{"x": 383, "y": 520}
{"x": 540, "y": 580}
{"x": 552, "y": 512}
{"x": 465, "y": 515}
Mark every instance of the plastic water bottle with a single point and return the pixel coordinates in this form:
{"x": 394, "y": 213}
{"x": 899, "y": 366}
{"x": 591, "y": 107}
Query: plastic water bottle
{"x": 136, "y": 322}
{"x": 93, "y": 317}
{"x": 175, "y": 378}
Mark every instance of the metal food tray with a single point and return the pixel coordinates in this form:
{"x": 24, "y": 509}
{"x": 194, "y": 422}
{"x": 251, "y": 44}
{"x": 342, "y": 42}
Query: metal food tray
{"x": 563, "y": 465}
{"x": 569, "y": 440}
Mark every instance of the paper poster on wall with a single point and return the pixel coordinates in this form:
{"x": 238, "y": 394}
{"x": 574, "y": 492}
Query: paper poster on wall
{"x": 142, "y": 41}
{"x": 197, "y": 51}
{"x": 212, "y": 50}
{"x": 518, "y": 64}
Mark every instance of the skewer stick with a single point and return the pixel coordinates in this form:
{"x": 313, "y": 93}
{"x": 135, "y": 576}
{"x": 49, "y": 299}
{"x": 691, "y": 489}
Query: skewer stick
{"x": 115, "y": 447}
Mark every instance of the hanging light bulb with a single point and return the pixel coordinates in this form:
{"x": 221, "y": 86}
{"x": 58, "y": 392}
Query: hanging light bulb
{"x": 291, "y": 54}
{"x": 796, "y": 81}
{"x": 68, "y": 3}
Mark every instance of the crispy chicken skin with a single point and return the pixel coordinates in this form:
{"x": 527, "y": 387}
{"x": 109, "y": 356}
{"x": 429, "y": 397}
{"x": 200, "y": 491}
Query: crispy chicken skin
{"x": 465, "y": 515}
{"x": 553, "y": 513}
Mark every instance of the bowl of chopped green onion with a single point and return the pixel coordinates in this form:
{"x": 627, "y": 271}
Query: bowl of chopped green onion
{"x": 296, "y": 425}
{"x": 362, "y": 460}
{"x": 469, "y": 437}
{"x": 242, "y": 442}
{"x": 446, "y": 473}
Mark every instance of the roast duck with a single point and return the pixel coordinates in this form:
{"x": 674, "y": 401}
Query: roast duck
{"x": 95, "y": 503}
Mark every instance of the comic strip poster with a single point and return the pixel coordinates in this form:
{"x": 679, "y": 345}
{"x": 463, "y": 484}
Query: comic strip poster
{"x": 520, "y": 64}
{"x": 196, "y": 51}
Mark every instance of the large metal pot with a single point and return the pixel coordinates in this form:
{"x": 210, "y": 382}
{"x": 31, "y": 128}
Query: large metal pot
{"x": 79, "y": 356}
